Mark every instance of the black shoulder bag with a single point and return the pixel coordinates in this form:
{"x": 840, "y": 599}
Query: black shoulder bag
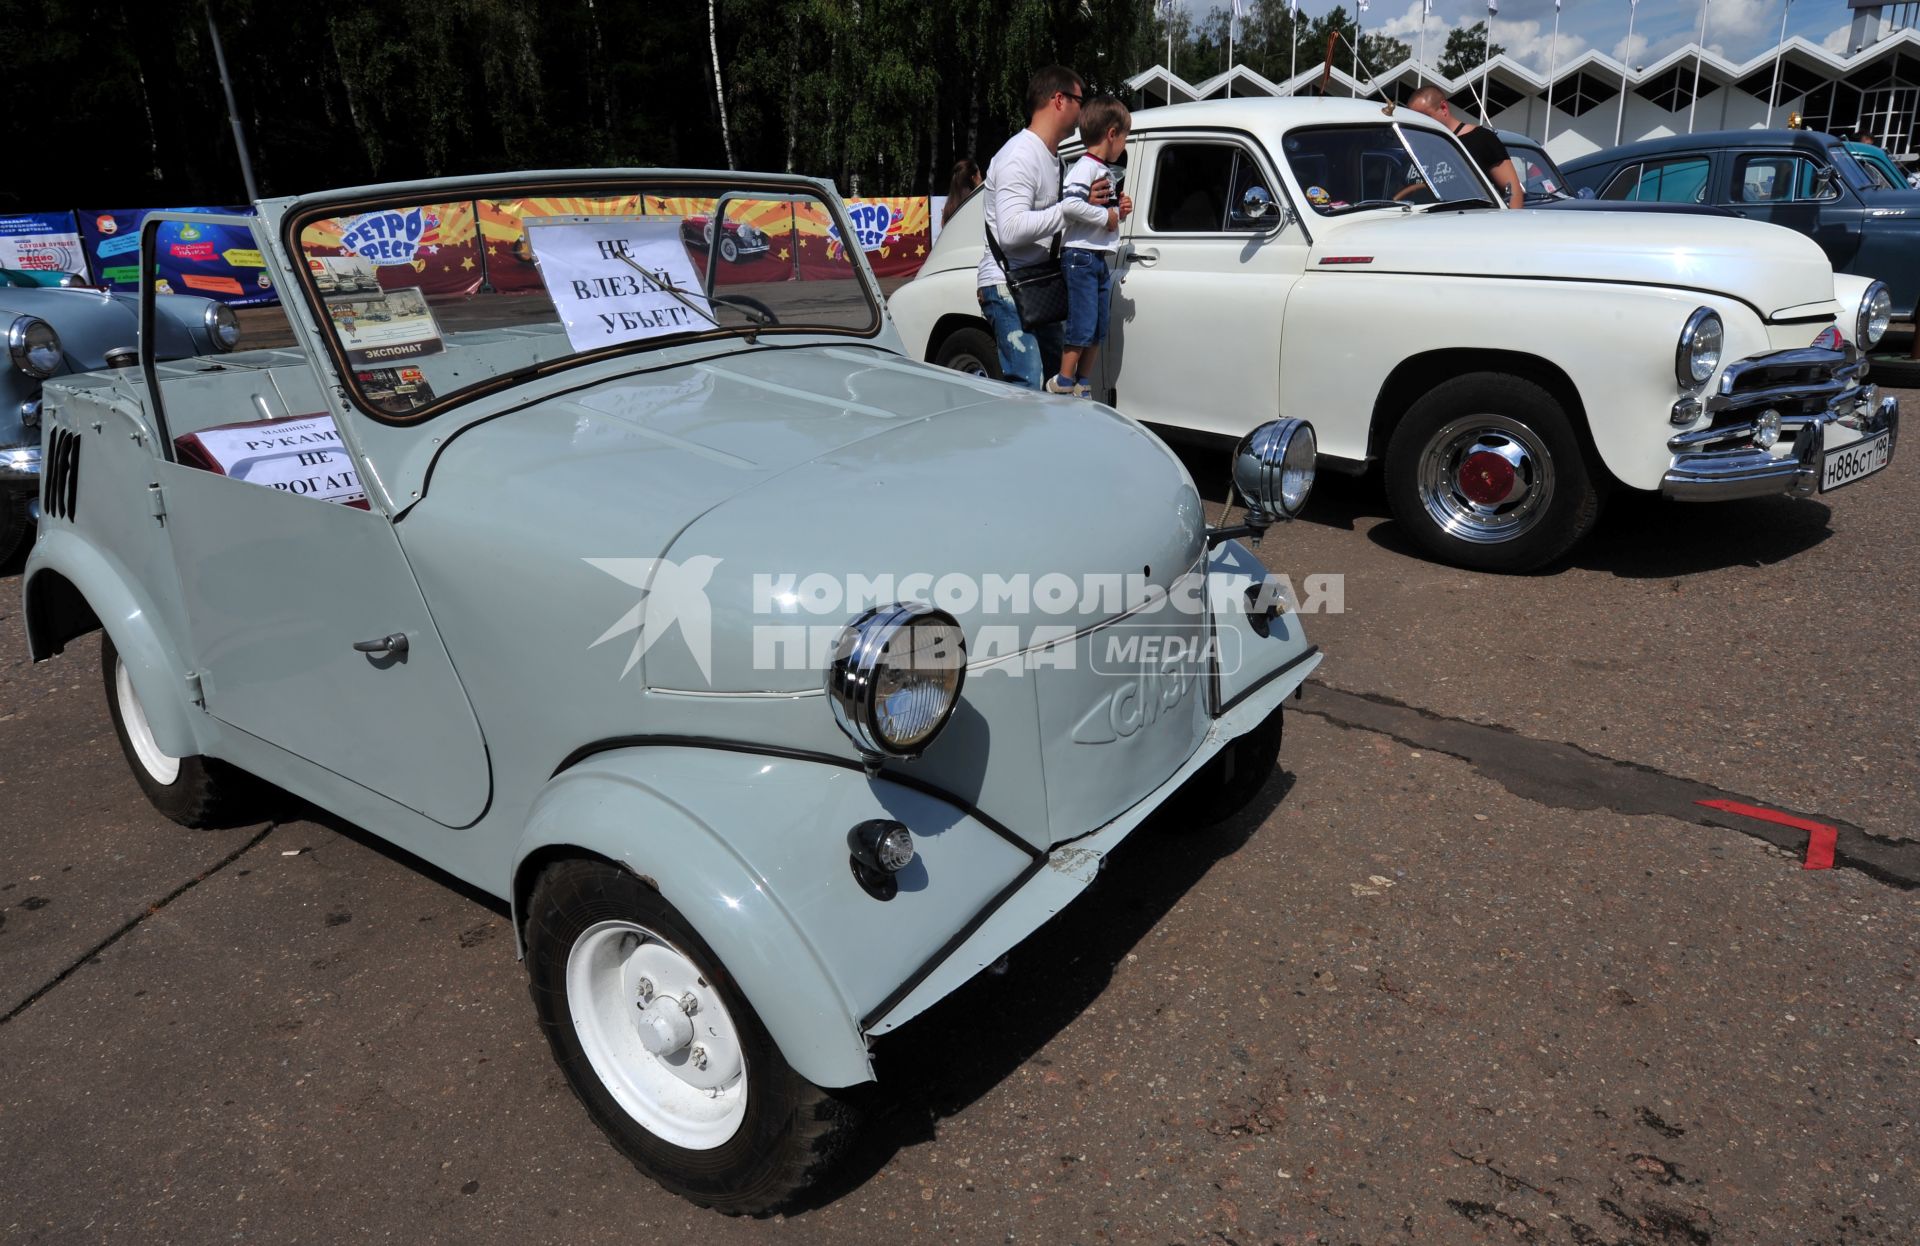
{"x": 1039, "y": 289}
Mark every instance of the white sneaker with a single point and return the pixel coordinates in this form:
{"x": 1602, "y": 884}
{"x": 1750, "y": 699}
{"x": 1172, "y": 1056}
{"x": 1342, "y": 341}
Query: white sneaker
{"x": 1053, "y": 386}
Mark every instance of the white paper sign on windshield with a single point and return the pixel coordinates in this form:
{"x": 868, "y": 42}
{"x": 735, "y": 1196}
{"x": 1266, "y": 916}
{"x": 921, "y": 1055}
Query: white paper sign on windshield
{"x": 602, "y": 299}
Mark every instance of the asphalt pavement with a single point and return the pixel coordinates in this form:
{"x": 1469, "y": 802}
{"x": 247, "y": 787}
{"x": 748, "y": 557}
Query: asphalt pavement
{"x": 1477, "y": 965}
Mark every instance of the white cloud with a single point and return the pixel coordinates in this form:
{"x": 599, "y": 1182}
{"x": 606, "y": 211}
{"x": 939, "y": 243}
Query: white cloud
{"x": 1837, "y": 38}
{"x": 1741, "y": 20}
{"x": 1529, "y": 42}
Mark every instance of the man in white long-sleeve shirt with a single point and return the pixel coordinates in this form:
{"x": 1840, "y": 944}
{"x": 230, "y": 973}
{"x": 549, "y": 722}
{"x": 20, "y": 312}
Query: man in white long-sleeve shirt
{"x": 1024, "y": 213}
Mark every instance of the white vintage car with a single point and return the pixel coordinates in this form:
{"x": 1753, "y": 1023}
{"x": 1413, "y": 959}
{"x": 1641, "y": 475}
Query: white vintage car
{"x": 1335, "y": 260}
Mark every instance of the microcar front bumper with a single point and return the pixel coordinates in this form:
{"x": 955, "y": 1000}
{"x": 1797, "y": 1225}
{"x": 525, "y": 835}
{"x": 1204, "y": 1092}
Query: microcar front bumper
{"x": 1812, "y": 401}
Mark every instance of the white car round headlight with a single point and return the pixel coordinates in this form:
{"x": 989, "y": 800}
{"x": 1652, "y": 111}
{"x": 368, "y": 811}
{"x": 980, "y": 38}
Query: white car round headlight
{"x": 1876, "y": 311}
{"x": 895, "y": 678}
{"x": 1273, "y": 469}
{"x": 222, "y": 326}
{"x": 34, "y": 346}
{"x": 1697, "y": 357}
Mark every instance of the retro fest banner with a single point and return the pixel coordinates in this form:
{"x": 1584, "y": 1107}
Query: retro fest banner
{"x": 214, "y": 261}
{"x": 42, "y": 242}
{"x": 434, "y": 247}
{"x": 759, "y": 241}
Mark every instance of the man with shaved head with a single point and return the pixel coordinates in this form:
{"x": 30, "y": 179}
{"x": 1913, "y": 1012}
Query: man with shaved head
{"x": 1481, "y": 143}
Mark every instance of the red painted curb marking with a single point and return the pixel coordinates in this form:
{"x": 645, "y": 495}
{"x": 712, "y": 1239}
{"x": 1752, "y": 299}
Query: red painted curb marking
{"x": 1820, "y": 836}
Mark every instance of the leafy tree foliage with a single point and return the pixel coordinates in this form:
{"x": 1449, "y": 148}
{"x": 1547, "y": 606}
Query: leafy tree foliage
{"x": 1466, "y": 48}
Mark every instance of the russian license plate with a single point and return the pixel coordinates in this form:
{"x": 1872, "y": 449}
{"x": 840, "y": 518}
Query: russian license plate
{"x": 1862, "y": 458}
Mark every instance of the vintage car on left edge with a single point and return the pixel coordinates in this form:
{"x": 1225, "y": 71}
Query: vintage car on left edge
{"x": 1505, "y": 369}
{"x": 779, "y": 683}
{"x": 55, "y": 326}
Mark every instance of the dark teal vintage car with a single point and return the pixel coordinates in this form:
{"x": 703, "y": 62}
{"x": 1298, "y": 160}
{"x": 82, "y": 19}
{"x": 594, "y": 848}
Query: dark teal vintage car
{"x": 1802, "y": 179}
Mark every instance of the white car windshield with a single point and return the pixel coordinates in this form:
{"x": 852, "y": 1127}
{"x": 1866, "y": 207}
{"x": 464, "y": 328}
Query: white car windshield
{"x": 431, "y": 304}
{"x": 1346, "y": 168}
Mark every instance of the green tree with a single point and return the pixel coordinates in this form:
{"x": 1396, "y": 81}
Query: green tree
{"x": 1466, "y": 49}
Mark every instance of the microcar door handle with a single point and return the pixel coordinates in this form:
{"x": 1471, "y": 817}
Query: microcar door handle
{"x": 385, "y": 645}
{"x": 1146, "y": 257}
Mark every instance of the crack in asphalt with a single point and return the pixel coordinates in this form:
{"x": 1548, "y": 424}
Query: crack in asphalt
{"x": 133, "y": 923}
{"x": 1566, "y": 776}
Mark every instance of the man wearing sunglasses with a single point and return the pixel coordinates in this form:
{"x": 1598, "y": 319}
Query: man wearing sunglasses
{"x": 1024, "y": 214}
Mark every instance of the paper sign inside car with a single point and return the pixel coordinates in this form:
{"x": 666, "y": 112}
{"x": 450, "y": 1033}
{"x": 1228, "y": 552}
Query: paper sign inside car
{"x": 384, "y": 328}
{"x": 603, "y": 299}
{"x": 301, "y": 455}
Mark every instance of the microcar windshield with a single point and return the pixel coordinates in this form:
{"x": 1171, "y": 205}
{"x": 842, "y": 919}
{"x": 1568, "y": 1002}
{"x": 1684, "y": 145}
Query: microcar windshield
{"x": 1343, "y": 169}
{"x": 428, "y": 304}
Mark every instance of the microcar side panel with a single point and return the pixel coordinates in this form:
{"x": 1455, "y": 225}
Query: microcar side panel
{"x": 752, "y": 848}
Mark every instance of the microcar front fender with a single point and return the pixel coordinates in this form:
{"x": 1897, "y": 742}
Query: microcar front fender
{"x": 751, "y": 847}
{"x": 67, "y": 579}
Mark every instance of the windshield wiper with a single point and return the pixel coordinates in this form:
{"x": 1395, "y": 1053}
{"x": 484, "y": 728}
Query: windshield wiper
{"x": 1369, "y": 203}
{"x": 666, "y": 284}
{"x": 1458, "y": 203}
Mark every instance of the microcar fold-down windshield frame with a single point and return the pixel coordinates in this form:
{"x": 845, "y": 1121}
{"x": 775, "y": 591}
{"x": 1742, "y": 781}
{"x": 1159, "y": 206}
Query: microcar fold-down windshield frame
{"x": 712, "y": 250}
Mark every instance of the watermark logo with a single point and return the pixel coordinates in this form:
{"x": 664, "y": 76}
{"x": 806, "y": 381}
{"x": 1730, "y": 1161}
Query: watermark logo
{"x": 672, "y": 595}
{"x": 1120, "y": 625}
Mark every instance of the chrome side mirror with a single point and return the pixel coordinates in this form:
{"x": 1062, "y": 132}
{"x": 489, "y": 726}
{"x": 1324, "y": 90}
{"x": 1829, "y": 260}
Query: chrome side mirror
{"x": 1256, "y": 204}
{"x": 1826, "y": 182}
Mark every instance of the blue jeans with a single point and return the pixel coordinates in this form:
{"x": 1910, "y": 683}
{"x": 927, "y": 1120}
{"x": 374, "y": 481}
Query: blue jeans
{"x": 1027, "y": 356}
{"x": 1088, "y": 286}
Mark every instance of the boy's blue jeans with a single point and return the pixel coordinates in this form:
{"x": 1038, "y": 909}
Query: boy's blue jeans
{"x": 1088, "y": 285}
{"x": 1027, "y": 356}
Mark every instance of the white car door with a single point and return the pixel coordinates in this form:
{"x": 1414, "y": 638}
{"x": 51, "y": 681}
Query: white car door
{"x": 1201, "y": 285}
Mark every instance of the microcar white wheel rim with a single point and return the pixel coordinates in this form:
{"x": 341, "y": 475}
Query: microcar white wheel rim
{"x": 628, "y": 993}
{"x": 163, "y": 767}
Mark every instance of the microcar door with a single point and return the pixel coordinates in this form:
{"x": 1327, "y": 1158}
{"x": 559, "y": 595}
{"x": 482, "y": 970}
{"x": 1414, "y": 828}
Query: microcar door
{"x": 1201, "y": 286}
{"x": 306, "y": 626}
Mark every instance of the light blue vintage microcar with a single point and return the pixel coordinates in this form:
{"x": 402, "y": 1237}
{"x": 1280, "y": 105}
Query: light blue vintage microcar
{"x": 55, "y": 325}
{"x": 780, "y": 683}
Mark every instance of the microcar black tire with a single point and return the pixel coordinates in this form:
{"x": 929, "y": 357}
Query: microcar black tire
{"x": 204, "y": 791}
{"x": 16, "y": 522}
{"x": 970, "y": 343}
{"x": 792, "y": 1132}
{"x": 1572, "y": 506}
{"x": 1228, "y": 783}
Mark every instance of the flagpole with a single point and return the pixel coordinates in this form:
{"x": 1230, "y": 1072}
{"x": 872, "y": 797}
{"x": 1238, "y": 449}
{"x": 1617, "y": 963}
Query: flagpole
{"x": 1231, "y": 14}
{"x": 1553, "y": 64}
{"x": 1359, "y": 11}
{"x": 1293, "y": 50}
{"x": 1779, "y": 54}
{"x": 1486, "y": 55}
{"x": 1626, "y": 58}
{"x": 1420, "y": 74}
{"x": 1699, "y": 55}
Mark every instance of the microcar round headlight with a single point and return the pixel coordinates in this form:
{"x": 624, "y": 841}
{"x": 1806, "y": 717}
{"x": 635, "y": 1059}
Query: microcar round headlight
{"x": 1697, "y": 357}
{"x": 34, "y": 346}
{"x": 750, "y": 237}
{"x": 1876, "y": 310}
{"x": 1273, "y": 470}
{"x": 895, "y": 678}
{"x": 72, "y": 281}
{"x": 222, "y": 326}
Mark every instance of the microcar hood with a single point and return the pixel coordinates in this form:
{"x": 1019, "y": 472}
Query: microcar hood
{"x": 1765, "y": 266}
{"x": 749, "y": 473}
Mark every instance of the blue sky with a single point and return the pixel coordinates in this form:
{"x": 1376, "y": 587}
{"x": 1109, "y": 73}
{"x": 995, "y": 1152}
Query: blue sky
{"x": 1739, "y": 29}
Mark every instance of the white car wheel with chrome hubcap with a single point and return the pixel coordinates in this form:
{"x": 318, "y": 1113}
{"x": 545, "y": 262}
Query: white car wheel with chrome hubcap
{"x": 1488, "y": 471}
